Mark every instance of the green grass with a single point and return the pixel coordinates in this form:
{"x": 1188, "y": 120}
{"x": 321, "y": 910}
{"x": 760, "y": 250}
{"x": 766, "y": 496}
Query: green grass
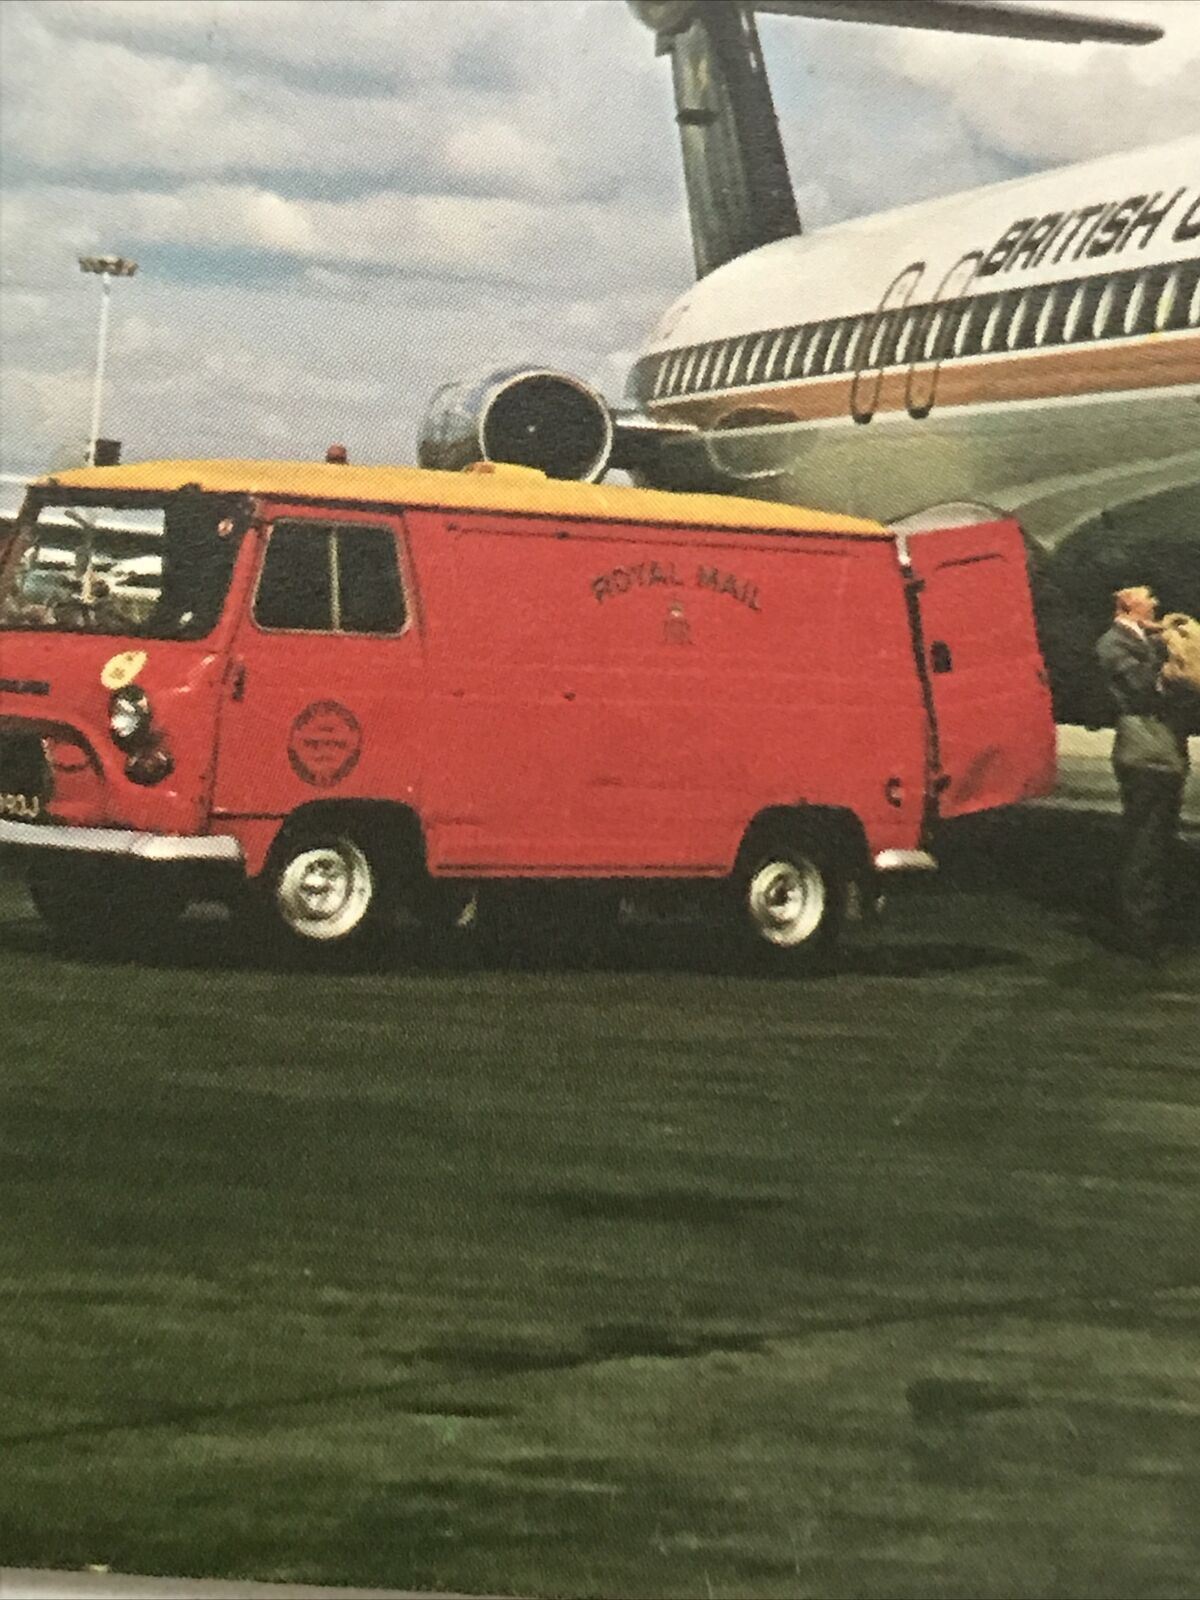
{"x": 623, "y": 1282}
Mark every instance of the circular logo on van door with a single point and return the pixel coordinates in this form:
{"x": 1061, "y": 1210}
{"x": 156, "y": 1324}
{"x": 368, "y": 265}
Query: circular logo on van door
{"x": 324, "y": 744}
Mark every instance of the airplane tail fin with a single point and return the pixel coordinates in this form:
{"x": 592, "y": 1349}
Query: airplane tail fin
{"x": 738, "y": 189}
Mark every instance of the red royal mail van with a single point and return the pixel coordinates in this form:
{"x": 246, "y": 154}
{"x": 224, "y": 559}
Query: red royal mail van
{"x": 364, "y": 688}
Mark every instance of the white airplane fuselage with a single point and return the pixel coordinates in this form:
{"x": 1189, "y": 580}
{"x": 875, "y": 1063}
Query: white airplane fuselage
{"x": 1034, "y": 345}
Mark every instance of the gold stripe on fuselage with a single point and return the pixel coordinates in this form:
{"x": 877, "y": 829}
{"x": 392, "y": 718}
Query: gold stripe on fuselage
{"x": 1157, "y": 361}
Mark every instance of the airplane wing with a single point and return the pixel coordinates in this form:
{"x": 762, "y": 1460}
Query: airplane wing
{"x": 973, "y": 16}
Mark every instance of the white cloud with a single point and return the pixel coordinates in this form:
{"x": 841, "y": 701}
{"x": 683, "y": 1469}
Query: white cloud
{"x": 338, "y": 205}
{"x": 491, "y": 153}
{"x": 1050, "y": 104}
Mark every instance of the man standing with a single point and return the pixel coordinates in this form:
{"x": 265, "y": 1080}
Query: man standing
{"x": 1151, "y": 761}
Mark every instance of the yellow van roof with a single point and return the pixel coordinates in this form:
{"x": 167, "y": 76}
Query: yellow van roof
{"x": 498, "y": 488}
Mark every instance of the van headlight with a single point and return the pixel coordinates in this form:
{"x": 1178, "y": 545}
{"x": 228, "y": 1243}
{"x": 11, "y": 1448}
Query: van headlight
{"x": 129, "y": 717}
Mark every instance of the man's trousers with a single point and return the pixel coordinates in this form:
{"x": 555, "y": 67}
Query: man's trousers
{"x": 1151, "y": 802}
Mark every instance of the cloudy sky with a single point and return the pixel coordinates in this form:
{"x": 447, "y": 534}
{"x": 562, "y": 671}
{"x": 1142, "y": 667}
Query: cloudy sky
{"x": 338, "y": 204}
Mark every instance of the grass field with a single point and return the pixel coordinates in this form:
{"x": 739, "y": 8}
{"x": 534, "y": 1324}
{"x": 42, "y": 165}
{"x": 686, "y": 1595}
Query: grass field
{"x": 639, "y": 1279}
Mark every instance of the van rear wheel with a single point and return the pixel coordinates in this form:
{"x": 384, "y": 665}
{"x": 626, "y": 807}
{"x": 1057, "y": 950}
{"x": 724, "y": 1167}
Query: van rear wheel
{"x": 790, "y": 900}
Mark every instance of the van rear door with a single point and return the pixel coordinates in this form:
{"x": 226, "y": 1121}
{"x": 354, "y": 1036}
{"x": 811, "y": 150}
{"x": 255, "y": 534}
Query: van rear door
{"x": 993, "y": 726}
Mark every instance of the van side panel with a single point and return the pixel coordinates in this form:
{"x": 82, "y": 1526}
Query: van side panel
{"x": 609, "y": 699}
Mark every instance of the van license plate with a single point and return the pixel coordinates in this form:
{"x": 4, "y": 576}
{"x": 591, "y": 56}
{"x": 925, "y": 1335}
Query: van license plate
{"x": 21, "y": 807}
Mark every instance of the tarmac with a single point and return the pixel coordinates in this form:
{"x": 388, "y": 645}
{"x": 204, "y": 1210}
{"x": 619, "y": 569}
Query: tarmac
{"x": 23, "y": 1583}
{"x": 1086, "y": 784}
{"x": 1086, "y": 781}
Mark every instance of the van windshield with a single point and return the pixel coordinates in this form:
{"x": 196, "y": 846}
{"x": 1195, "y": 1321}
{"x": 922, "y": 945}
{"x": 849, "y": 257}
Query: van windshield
{"x": 142, "y": 571}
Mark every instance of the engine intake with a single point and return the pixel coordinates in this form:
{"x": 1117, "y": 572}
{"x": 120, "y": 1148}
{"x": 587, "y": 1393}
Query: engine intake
{"x": 529, "y": 417}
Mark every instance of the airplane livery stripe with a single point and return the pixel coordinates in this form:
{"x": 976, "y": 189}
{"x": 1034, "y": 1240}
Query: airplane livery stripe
{"x": 1152, "y": 363}
{"x": 976, "y": 332}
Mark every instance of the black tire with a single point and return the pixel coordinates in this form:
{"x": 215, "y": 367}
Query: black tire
{"x": 789, "y": 900}
{"x": 109, "y": 907}
{"x": 325, "y": 890}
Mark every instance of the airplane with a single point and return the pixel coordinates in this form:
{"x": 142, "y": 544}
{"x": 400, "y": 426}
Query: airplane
{"x": 1032, "y": 346}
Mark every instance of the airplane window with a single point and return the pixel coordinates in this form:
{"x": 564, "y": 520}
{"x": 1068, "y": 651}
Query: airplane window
{"x": 704, "y": 364}
{"x": 1074, "y": 316}
{"x": 1109, "y": 318}
{"x": 1193, "y": 316}
{"x": 755, "y": 357}
{"x": 834, "y": 348}
{"x": 660, "y": 377}
{"x": 1114, "y": 319}
{"x": 725, "y": 355}
{"x": 1167, "y": 302}
{"x": 993, "y": 328}
{"x": 671, "y": 386}
{"x": 848, "y": 345}
{"x": 880, "y": 342}
{"x": 1104, "y": 309}
{"x": 770, "y": 367}
{"x": 907, "y": 329}
{"x": 1046, "y": 316}
{"x": 813, "y": 347}
{"x": 854, "y": 343}
{"x": 968, "y": 317}
{"x": 1146, "y": 301}
{"x": 1020, "y": 318}
{"x": 689, "y": 366}
{"x": 933, "y": 332}
{"x": 791, "y": 362}
{"x": 1136, "y": 305}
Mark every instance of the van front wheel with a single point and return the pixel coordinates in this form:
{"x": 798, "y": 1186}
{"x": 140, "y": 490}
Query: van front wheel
{"x": 105, "y": 905}
{"x": 791, "y": 901}
{"x": 324, "y": 889}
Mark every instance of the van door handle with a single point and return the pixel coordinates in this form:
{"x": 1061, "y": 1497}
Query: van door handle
{"x": 940, "y": 658}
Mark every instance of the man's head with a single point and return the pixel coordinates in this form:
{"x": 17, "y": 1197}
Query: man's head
{"x": 1137, "y": 604}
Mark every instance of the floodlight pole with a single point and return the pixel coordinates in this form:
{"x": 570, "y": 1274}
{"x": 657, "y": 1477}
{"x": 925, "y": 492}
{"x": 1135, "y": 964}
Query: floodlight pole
{"x": 106, "y": 268}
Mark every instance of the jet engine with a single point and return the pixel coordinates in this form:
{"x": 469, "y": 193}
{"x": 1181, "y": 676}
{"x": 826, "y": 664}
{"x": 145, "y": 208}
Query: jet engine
{"x": 530, "y": 417}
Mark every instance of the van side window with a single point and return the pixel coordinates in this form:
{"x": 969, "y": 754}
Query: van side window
{"x": 369, "y": 596}
{"x": 318, "y": 578}
{"x": 295, "y": 590}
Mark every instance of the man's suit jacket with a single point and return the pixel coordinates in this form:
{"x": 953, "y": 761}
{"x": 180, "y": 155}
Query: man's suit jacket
{"x": 1131, "y": 664}
{"x": 1149, "y": 732}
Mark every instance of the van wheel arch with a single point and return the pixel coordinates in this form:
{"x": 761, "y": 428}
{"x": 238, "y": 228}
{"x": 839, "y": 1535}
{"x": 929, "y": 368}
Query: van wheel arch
{"x": 833, "y": 827}
{"x": 373, "y": 854}
{"x": 791, "y": 881}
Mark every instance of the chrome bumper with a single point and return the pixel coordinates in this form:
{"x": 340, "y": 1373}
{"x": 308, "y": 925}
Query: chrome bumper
{"x": 905, "y": 861}
{"x": 121, "y": 842}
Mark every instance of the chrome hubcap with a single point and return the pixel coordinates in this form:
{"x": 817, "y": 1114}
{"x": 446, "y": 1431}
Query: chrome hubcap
{"x": 787, "y": 901}
{"x": 324, "y": 893}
